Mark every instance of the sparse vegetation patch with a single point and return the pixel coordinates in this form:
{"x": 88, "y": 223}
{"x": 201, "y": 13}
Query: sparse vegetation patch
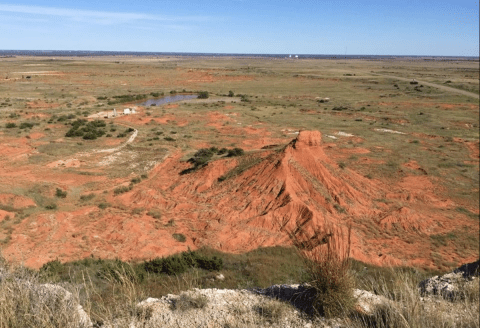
{"x": 88, "y": 130}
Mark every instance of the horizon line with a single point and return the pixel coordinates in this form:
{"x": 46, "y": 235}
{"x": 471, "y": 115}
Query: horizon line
{"x": 227, "y": 53}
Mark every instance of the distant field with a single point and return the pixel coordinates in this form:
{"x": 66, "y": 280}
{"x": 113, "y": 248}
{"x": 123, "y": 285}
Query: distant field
{"x": 129, "y": 200}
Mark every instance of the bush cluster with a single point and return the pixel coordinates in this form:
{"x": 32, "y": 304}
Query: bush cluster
{"x": 124, "y": 133}
{"x": 122, "y": 189}
{"x": 177, "y": 264}
{"x": 87, "y": 197}
{"x": 126, "y": 98}
{"x": 179, "y": 237}
{"x": 51, "y": 206}
{"x": 235, "y": 152}
{"x": 204, "y": 155}
{"x": 88, "y": 130}
{"x": 156, "y": 94}
{"x": 203, "y": 95}
{"x": 26, "y": 125}
{"x": 60, "y": 193}
{"x": 154, "y": 214}
{"x": 63, "y": 118}
{"x": 244, "y": 98}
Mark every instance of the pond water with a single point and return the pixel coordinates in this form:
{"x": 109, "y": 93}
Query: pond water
{"x": 167, "y": 99}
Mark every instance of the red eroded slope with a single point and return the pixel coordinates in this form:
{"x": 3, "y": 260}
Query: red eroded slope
{"x": 262, "y": 197}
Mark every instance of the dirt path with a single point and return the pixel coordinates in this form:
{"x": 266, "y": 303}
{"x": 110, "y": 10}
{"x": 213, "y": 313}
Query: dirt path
{"x": 433, "y": 85}
{"x": 111, "y": 150}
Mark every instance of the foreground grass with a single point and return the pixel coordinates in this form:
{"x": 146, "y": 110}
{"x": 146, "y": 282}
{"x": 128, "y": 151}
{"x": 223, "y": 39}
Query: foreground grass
{"x": 109, "y": 290}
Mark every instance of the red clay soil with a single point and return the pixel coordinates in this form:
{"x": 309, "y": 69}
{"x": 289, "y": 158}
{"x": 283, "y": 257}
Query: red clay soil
{"x": 262, "y": 197}
{"x": 6, "y": 215}
{"x": 473, "y": 147}
{"x": 16, "y": 201}
{"x": 40, "y": 104}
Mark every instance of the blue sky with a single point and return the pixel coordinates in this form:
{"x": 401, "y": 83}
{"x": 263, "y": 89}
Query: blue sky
{"x": 369, "y": 27}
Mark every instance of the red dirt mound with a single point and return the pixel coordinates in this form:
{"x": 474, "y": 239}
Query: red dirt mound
{"x": 256, "y": 200}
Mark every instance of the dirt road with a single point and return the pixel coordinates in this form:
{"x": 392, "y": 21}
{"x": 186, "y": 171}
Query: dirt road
{"x": 433, "y": 85}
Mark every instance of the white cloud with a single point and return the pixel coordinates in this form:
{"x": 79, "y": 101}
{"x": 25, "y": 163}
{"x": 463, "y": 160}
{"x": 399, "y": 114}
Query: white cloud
{"x": 93, "y": 16}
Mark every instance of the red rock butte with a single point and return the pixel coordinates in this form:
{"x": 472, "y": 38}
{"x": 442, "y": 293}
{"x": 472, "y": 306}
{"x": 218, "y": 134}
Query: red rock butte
{"x": 259, "y": 199}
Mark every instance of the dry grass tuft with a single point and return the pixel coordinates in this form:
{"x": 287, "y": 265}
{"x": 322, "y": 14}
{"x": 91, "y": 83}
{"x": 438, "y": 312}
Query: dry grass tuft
{"x": 273, "y": 311}
{"x": 187, "y": 302}
{"x": 326, "y": 255}
{"x": 25, "y": 302}
{"x": 408, "y": 309}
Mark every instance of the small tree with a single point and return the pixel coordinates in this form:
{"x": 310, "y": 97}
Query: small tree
{"x": 230, "y": 93}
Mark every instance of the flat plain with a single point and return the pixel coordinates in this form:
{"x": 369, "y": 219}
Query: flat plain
{"x": 354, "y": 143}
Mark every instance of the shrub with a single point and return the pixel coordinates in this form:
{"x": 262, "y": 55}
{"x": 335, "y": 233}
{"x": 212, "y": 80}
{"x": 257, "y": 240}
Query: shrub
{"x": 177, "y": 264}
{"x": 326, "y": 256}
{"x": 231, "y": 93}
{"x": 155, "y": 214}
{"x": 60, "y": 193}
{"x": 244, "y": 98}
{"x": 121, "y": 190}
{"x": 90, "y": 136}
{"x": 222, "y": 151}
{"x": 103, "y": 205}
{"x": 179, "y": 237}
{"x": 87, "y": 197}
{"x": 52, "y": 269}
{"x": 87, "y": 130}
{"x": 203, "y": 95}
{"x": 171, "y": 265}
{"x": 235, "y": 152}
{"x": 138, "y": 210}
{"x": 10, "y": 125}
{"x": 52, "y": 206}
{"x": 210, "y": 264}
{"x": 169, "y": 139}
{"x": 201, "y": 157}
{"x": 136, "y": 180}
{"x": 26, "y": 125}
